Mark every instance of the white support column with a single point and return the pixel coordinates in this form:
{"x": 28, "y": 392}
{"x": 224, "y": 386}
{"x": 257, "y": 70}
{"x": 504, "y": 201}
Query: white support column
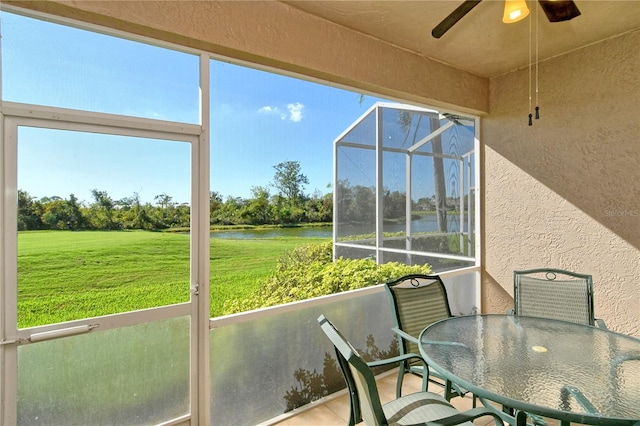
{"x": 461, "y": 203}
{"x": 8, "y": 266}
{"x": 334, "y": 231}
{"x": 477, "y": 232}
{"x": 379, "y": 188}
{"x": 200, "y": 370}
{"x": 471, "y": 206}
{"x": 408, "y": 203}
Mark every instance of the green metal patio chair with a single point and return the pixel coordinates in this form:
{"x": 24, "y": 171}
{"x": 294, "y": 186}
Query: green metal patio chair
{"x": 556, "y": 294}
{"x": 417, "y": 301}
{"x": 424, "y": 408}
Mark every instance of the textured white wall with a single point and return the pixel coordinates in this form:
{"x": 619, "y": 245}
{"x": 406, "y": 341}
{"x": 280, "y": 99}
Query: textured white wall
{"x": 565, "y": 192}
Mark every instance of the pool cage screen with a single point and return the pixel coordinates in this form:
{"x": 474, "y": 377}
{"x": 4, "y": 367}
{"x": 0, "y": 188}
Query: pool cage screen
{"x": 405, "y": 188}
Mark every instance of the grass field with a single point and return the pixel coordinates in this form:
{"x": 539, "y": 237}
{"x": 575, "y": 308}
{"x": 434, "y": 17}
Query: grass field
{"x": 64, "y": 275}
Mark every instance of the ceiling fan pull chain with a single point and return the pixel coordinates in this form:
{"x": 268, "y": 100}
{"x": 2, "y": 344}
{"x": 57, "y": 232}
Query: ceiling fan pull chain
{"x": 537, "y": 61}
{"x": 530, "y": 115}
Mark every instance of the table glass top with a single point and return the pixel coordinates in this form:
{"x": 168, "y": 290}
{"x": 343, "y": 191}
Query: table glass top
{"x": 558, "y": 367}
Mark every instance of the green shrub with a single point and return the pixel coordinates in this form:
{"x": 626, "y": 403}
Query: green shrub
{"x": 309, "y": 271}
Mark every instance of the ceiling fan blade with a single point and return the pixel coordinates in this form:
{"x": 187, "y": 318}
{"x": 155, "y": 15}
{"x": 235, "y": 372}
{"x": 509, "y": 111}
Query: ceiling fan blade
{"x": 454, "y": 17}
{"x": 559, "y": 10}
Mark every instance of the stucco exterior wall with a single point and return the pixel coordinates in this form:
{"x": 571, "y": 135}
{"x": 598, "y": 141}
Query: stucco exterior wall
{"x": 565, "y": 192}
{"x": 273, "y": 34}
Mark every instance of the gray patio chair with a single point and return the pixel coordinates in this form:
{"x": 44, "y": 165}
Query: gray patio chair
{"x": 420, "y": 408}
{"x": 556, "y": 294}
{"x": 417, "y": 301}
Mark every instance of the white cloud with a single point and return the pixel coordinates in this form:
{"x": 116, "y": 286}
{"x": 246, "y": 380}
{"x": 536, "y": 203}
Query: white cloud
{"x": 269, "y": 110}
{"x": 295, "y": 111}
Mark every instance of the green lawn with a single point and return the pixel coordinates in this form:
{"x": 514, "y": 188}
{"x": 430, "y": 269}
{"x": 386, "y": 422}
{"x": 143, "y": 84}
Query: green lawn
{"x": 64, "y": 275}
{"x": 238, "y": 267}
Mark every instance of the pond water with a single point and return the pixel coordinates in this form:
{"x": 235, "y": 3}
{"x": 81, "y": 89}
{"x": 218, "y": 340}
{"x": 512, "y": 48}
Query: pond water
{"x": 428, "y": 223}
{"x": 242, "y": 234}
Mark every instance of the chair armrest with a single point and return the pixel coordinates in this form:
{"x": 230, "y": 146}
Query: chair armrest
{"x": 405, "y": 336}
{"x": 395, "y": 359}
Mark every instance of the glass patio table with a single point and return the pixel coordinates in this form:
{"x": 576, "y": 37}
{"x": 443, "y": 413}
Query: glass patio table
{"x": 536, "y": 366}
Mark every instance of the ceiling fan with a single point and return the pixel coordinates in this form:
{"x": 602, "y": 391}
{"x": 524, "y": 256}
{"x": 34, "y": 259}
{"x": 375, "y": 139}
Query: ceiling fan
{"x": 556, "y": 11}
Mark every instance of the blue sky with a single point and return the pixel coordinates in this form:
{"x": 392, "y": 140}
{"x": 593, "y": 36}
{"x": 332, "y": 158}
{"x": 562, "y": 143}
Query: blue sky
{"x": 258, "y": 119}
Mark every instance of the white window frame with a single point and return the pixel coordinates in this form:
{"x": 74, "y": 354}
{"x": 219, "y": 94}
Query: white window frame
{"x": 12, "y": 116}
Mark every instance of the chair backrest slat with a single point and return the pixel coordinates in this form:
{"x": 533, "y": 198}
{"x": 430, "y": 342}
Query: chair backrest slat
{"x": 555, "y": 294}
{"x": 418, "y": 301}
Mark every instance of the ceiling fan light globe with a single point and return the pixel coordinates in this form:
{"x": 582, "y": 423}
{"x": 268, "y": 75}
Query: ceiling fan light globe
{"x": 514, "y": 11}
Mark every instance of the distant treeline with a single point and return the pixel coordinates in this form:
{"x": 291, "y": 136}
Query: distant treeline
{"x": 104, "y": 213}
{"x": 289, "y": 205}
{"x": 357, "y": 205}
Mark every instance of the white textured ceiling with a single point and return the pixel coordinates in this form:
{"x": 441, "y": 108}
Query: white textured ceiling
{"x": 479, "y": 43}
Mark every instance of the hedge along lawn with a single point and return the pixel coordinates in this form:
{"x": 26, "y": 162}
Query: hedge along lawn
{"x": 239, "y": 267}
{"x": 65, "y": 275}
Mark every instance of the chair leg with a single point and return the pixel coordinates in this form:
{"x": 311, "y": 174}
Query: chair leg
{"x": 425, "y": 382}
{"x": 447, "y": 390}
{"x": 520, "y": 418}
{"x": 352, "y": 416}
{"x": 401, "y": 371}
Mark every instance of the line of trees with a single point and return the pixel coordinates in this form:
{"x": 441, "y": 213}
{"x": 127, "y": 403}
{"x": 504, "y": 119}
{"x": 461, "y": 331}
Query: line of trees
{"x": 289, "y": 204}
{"x": 104, "y": 213}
